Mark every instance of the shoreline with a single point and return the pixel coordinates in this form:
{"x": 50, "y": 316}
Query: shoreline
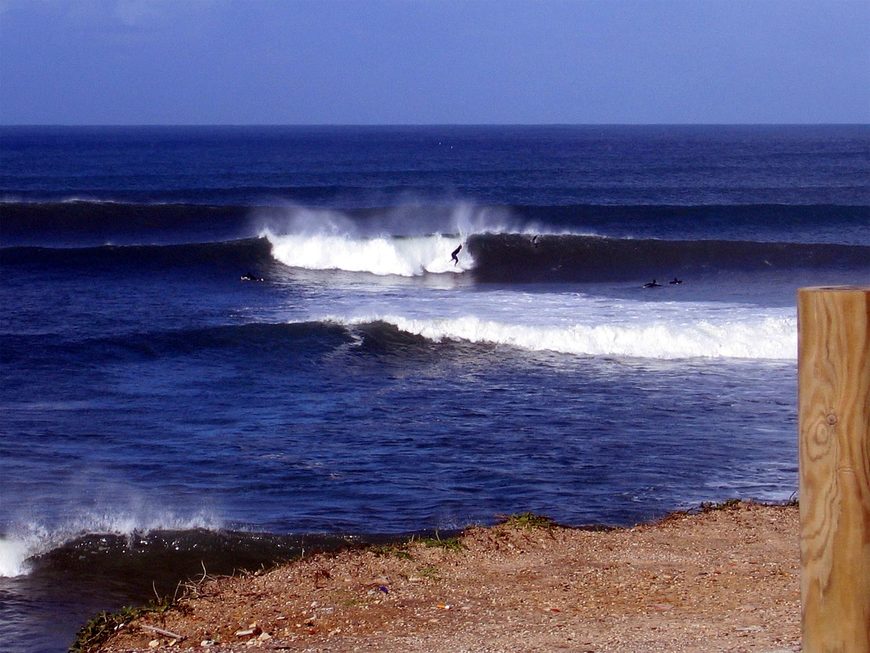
{"x": 725, "y": 578}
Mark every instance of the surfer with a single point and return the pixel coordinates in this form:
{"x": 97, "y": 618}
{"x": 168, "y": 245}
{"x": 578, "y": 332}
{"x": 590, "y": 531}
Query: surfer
{"x": 454, "y": 255}
{"x": 675, "y": 281}
{"x": 652, "y": 284}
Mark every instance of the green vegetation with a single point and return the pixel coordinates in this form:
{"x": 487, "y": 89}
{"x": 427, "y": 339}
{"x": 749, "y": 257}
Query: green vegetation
{"x": 352, "y": 602}
{"x": 396, "y": 550}
{"x": 430, "y": 572}
{"x": 448, "y": 544}
{"x": 100, "y": 628}
{"x": 728, "y": 504}
{"x": 528, "y": 521}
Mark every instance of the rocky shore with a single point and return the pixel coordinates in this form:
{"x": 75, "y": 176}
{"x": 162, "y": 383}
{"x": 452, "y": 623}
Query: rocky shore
{"x": 719, "y": 579}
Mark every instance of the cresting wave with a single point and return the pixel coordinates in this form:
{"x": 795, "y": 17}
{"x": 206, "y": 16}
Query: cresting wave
{"x": 25, "y": 542}
{"x": 404, "y": 257}
{"x": 760, "y": 338}
{"x": 404, "y": 241}
{"x": 513, "y": 257}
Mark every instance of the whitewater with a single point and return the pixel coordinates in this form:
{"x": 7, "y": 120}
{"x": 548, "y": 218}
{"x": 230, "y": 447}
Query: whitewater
{"x": 384, "y": 255}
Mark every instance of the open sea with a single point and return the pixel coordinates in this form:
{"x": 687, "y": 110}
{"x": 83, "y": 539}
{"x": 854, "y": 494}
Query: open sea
{"x": 221, "y": 345}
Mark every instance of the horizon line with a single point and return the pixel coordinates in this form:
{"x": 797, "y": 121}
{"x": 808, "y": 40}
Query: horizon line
{"x": 445, "y": 124}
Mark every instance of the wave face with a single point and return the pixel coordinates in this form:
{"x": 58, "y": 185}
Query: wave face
{"x": 506, "y": 257}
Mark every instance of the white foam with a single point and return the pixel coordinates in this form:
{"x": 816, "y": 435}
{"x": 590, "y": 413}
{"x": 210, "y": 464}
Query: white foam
{"x": 382, "y": 255}
{"x": 765, "y": 338}
{"x": 13, "y": 556}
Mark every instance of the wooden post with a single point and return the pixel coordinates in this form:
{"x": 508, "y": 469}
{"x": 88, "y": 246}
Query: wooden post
{"x": 834, "y": 416}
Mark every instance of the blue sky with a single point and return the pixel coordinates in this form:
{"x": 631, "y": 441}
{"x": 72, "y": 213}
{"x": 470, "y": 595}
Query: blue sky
{"x": 416, "y": 62}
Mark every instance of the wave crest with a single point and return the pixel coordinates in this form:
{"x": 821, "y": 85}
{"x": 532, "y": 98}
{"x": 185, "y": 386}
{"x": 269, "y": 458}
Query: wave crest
{"x": 382, "y": 255}
{"x": 763, "y": 338}
{"x": 405, "y": 241}
{"x": 28, "y": 541}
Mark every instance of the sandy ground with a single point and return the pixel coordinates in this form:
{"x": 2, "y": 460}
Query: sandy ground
{"x": 720, "y": 580}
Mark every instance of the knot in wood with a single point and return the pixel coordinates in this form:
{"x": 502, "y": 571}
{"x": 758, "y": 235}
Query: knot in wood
{"x": 831, "y": 419}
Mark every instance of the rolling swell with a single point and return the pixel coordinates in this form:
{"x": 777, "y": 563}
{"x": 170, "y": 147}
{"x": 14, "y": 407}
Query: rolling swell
{"x": 112, "y": 258}
{"x": 83, "y": 223}
{"x": 80, "y": 222}
{"x": 523, "y": 258}
{"x": 803, "y": 223}
{"x": 268, "y": 340}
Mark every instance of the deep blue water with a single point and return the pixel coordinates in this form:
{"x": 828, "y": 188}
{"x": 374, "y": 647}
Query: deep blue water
{"x": 157, "y": 410}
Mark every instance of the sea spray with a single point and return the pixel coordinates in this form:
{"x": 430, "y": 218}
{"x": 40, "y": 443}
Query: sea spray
{"x": 13, "y": 555}
{"x": 404, "y": 219}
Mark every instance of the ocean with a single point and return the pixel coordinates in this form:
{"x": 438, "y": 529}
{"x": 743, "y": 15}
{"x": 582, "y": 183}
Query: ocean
{"x": 220, "y": 346}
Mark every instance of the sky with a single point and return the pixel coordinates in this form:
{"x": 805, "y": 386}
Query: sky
{"x": 116, "y": 62}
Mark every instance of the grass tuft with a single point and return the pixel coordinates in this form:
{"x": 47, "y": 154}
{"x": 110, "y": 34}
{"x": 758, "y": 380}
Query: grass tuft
{"x": 96, "y": 631}
{"x": 447, "y": 543}
{"x": 528, "y": 521}
{"x": 728, "y": 504}
{"x": 395, "y": 550}
{"x": 429, "y": 571}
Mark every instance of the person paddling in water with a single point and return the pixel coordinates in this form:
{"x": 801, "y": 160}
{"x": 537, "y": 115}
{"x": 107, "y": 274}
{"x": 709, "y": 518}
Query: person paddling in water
{"x": 455, "y": 254}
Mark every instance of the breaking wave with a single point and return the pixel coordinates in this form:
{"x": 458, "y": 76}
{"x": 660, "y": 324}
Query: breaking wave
{"x": 25, "y": 542}
{"x": 762, "y": 338}
{"x": 405, "y": 257}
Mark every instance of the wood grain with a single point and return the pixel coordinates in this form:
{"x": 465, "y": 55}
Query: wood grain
{"x": 834, "y": 441}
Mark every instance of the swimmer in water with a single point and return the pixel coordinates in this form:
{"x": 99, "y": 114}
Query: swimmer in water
{"x": 454, "y": 255}
{"x": 652, "y": 284}
{"x": 675, "y": 281}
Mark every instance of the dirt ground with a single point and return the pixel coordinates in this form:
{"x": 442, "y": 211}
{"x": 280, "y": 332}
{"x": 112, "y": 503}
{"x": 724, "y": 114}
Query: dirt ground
{"x": 719, "y": 580}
